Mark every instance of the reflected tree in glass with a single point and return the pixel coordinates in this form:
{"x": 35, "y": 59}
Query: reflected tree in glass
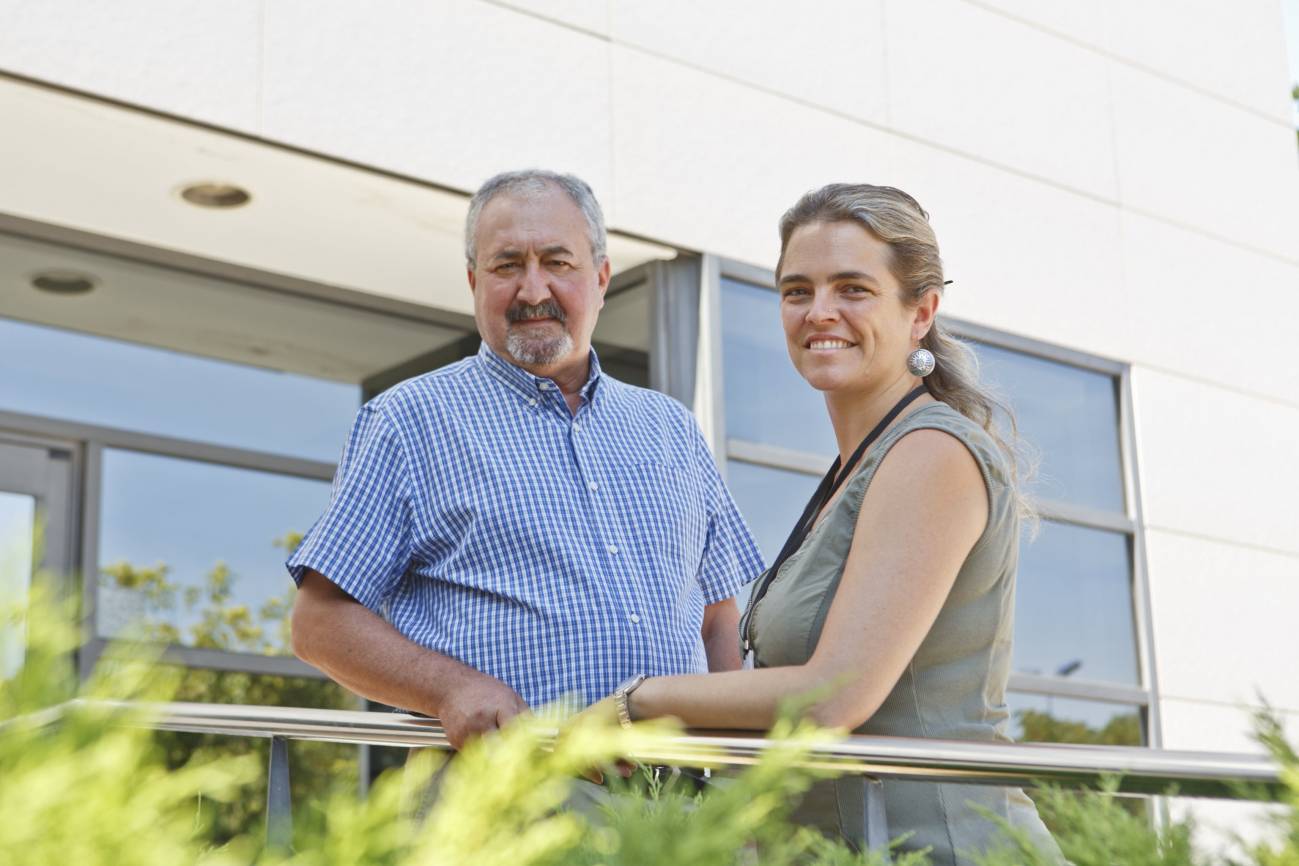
{"x": 220, "y": 622}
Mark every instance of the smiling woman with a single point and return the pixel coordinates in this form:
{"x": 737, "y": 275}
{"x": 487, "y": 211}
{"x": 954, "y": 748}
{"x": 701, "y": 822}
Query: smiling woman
{"x": 889, "y": 609}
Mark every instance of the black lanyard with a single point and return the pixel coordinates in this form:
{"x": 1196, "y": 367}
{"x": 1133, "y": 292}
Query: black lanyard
{"x": 829, "y": 485}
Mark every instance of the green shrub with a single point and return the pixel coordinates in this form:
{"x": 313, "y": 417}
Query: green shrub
{"x": 95, "y": 786}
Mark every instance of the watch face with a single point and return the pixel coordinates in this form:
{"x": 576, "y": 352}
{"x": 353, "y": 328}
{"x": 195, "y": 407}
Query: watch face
{"x": 630, "y": 683}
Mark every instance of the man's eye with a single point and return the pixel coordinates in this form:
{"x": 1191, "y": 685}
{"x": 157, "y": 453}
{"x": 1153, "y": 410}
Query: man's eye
{"x": 559, "y": 264}
{"x": 507, "y": 267}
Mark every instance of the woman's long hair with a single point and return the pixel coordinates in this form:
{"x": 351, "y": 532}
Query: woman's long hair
{"x": 898, "y": 220}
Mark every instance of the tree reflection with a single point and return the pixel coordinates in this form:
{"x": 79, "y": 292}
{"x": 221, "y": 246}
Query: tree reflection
{"x": 218, "y": 621}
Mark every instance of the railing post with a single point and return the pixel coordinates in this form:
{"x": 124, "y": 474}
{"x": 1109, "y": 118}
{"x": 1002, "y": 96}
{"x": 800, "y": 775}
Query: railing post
{"x": 279, "y": 805}
{"x": 877, "y": 822}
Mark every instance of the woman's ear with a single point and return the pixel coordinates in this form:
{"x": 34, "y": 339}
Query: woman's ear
{"x": 926, "y": 310}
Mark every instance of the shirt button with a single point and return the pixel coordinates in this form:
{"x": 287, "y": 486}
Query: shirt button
{"x": 613, "y": 550}
{"x": 593, "y": 486}
{"x": 634, "y": 618}
{"x": 532, "y": 401}
{"x": 545, "y": 386}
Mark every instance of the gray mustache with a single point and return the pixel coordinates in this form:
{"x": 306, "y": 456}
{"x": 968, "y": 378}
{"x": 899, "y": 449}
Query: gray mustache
{"x": 544, "y": 310}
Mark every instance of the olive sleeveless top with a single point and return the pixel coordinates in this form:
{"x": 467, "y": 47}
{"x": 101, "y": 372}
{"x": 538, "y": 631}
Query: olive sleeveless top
{"x": 953, "y": 688}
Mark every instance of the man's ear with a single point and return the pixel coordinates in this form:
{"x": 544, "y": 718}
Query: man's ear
{"x": 472, "y": 283}
{"x": 606, "y": 273}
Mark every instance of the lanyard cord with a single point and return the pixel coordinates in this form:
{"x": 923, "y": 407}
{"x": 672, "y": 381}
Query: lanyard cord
{"x": 830, "y": 484}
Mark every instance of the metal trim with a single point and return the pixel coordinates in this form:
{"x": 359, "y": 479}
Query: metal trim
{"x": 1143, "y": 615}
{"x": 1088, "y": 690}
{"x": 150, "y": 443}
{"x": 744, "y": 272}
{"x": 1139, "y": 770}
{"x": 775, "y": 457}
{"x": 1084, "y": 515}
{"x": 764, "y": 278}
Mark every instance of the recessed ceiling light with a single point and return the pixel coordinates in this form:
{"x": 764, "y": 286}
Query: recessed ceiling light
{"x": 64, "y": 282}
{"x": 215, "y": 195}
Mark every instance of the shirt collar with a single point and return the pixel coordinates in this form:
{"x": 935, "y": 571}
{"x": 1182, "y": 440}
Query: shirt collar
{"x": 527, "y": 384}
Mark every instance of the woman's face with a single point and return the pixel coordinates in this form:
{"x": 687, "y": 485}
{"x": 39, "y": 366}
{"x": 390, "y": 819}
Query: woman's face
{"x": 846, "y": 327}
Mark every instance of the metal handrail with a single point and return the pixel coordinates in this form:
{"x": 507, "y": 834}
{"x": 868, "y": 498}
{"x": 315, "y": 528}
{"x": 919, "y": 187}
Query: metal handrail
{"x": 1222, "y": 775}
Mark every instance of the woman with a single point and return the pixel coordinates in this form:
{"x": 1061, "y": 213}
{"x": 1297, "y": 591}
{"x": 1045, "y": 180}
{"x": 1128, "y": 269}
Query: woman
{"x": 894, "y": 597}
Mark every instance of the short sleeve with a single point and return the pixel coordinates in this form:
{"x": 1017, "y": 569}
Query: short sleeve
{"x": 731, "y": 557}
{"x": 363, "y": 540}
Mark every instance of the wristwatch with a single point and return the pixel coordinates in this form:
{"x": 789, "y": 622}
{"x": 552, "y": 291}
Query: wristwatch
{"x": 620, "y": 696}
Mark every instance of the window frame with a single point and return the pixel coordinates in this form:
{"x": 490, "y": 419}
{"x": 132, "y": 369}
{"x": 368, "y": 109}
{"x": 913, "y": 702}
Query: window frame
{"x": 1129, "y": 522}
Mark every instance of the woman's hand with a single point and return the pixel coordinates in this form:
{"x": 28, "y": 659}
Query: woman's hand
{"x": 603, "y": 712}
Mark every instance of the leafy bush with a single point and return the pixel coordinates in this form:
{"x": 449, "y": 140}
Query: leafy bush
{"x": 94, "y": 786}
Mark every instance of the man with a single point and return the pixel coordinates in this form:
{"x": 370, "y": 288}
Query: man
{"x": 519, "y": 527}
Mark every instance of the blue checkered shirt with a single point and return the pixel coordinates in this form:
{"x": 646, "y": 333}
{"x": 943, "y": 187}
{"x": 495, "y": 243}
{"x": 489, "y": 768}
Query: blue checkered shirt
{"x": 558, "y": 552}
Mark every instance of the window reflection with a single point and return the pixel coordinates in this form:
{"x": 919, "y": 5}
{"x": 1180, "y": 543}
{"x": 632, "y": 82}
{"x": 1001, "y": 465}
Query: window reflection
{"x": 1070, "y": 415}
{"x": 771, "y": 500}
{"x": 17, "y": 531}
{"x": 110, "y": 383}
{"x": 1049, "y": 719}
{"x": 1073, "y": 610}
{"x": 192, "y": 553}
{"x": 767, "y": 400}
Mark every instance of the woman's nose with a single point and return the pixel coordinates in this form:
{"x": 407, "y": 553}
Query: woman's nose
{"x": 823, "y": 309}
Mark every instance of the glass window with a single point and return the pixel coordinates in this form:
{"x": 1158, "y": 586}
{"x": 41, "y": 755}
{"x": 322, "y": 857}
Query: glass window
{"x": 1071, "y": 417}
{"x": 770, "y": 499}
{"x": 17, "y": 531}
{"x": 1049, "y": 719}
{"x": 757, "y": 368}
{"x": 96, "y": 380}
{"x": 1073, "y": 611}
{"x": 192, "y": 553}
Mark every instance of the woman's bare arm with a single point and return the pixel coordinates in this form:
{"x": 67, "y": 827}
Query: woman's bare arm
{"x": 925, "y": 509}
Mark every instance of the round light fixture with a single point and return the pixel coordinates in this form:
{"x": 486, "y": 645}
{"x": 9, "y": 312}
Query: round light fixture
{"x": 215, "y": 195}
{"x": 64, "y": 282}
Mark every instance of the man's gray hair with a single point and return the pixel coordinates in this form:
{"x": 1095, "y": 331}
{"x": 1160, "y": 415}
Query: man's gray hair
{"x": 531, "y": 182}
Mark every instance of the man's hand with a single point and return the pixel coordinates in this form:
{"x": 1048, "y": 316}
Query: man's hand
{"x": 363, "y": 652}
{"x": 478, "y": 705}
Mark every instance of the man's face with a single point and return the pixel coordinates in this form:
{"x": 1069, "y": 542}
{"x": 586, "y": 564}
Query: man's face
{"x": 537, "y": 289}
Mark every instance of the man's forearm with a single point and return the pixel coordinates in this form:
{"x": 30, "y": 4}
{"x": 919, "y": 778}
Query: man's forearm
{"x": 363, "y": 652}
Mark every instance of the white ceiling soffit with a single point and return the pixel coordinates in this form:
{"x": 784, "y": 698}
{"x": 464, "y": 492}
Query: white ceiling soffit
{"x": 81, "y": 163}
{"x": 216, "y": 318}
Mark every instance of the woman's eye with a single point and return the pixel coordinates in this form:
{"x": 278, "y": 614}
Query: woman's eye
{"x": 854, "y": 289}
{"x": 793, "y": 293}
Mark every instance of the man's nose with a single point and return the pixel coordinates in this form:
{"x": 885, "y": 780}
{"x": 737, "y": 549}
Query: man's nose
{"x": 533, "y": 288}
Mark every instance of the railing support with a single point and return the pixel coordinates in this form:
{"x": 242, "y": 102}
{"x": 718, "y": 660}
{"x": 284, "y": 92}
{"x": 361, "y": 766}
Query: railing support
{"x": 877, "y": 822}
{"x": 279, "y": 804}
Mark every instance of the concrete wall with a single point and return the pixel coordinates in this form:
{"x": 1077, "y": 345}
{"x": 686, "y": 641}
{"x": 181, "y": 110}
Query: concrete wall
{"x": 1117, "y": 176}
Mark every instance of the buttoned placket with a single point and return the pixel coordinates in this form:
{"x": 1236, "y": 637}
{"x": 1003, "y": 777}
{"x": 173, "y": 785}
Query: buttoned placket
{"x": 607, "y": 525}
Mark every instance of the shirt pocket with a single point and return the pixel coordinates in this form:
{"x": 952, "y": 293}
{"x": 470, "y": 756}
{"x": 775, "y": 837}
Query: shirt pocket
{"x": 662, "y": 507}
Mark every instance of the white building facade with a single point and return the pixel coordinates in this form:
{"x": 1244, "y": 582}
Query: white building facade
{"x": 1114, "y": 182}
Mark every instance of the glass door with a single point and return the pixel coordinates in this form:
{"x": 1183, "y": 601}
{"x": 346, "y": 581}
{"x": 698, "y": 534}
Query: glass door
{"x": 36, "y": 533}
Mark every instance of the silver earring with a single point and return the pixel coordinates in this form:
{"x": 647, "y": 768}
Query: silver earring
{"x": 920, "y": 363}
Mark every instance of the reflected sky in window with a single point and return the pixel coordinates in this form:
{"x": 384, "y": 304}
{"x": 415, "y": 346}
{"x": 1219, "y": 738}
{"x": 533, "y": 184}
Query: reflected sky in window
{"x": 192, "y": 516}
{"x": 767, "y": 400}
{"x": 1070, "y": 416}
{"x": 110, "y": 383}
{"x": 1073, "y": 610}
{"x": 771, "y": 500}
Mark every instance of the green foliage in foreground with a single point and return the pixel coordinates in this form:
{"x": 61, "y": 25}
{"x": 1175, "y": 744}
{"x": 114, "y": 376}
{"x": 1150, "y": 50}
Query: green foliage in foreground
{"x": 94, "y": 787}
